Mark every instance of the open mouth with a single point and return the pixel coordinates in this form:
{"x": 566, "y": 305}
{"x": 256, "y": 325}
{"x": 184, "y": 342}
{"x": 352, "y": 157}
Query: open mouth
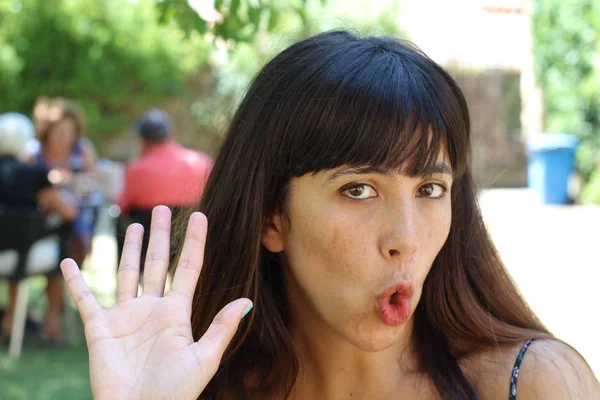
{"x": 395, "y": 303}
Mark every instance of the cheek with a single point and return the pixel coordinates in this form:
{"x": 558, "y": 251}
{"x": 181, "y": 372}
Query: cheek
{"x": 435, "y": 216}
{"x": 349, "y": 247}
{"x": 432, "y": 238}
{"x": 437, "y": 232}
{"x": 328, "y": 255}
{"x": 330, "y": 245}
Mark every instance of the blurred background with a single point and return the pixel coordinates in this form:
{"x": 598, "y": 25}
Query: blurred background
{"x": 530, "y": 71}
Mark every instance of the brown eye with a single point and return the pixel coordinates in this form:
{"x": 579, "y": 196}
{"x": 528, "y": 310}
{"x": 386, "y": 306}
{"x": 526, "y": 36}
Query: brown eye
{"x": 432, "y": 191}
{"x": 356, "y": 191}
{"x": 359, "y": 192}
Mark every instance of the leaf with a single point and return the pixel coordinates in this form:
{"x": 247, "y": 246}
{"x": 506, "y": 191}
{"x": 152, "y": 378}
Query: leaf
{"x": 255, "y": 14}
{"x": 273, "y": 19}
{"x": 235, "y": 6}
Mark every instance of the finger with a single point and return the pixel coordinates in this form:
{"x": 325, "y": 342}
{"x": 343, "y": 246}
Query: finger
{"x": 129, "y": 267}
{"x": 81, "y": 293}
{"x": 157, "y": 258}
{"x": 212, "y": 345}
{"x": 192, "y": 254}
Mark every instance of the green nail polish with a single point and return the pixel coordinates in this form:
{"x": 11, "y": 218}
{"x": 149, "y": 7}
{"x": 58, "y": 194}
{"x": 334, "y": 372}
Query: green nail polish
{"x": 247, "y": 309}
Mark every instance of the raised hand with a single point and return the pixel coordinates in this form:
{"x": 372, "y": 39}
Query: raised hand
{"x": 142, "y": 348}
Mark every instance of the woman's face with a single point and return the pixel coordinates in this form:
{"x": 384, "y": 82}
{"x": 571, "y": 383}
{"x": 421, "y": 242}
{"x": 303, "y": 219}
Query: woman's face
{"x": 63, "y": 135}
{"x": 357, "y": 245}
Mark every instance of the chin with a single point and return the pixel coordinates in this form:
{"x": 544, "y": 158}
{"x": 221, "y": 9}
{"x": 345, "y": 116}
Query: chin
{"x": 376, "y": 336}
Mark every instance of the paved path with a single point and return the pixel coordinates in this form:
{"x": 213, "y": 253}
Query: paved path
{"x": 553, "y": 253}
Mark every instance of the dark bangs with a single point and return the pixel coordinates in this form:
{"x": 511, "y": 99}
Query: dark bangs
{"x": 373, "y": 102}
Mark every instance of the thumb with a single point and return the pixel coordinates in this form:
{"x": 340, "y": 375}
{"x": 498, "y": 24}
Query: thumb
{"x": 210, "y": 348}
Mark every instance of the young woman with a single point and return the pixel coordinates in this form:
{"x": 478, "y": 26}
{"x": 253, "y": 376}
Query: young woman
{"x": 342, "y": 204}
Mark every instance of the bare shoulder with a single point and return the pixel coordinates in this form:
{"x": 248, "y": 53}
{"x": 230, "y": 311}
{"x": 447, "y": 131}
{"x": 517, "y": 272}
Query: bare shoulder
{"x": 553, "y": 370}
{"x": 549, "y": 370}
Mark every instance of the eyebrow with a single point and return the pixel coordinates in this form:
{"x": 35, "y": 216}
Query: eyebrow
{"x": 439, "y": 168}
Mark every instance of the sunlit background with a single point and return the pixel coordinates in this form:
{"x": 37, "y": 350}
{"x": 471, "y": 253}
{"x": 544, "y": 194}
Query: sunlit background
{"x": 526, "y": 67}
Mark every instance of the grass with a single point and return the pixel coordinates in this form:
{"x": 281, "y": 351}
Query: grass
{"x": 51, "y": 373}
{"x": 44, "y": 373}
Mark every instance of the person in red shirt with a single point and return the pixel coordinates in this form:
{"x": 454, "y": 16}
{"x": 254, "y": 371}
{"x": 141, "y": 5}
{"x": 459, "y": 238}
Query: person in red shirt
{"x": 165, "y": 173}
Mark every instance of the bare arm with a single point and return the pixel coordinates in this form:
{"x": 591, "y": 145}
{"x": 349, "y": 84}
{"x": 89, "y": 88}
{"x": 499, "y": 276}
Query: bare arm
{"x": 89, "y": 157}
{"x": 50, "y": 198}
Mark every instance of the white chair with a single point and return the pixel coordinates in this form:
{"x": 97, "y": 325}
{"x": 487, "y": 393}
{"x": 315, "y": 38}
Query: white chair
{"x": 27, "y": 248}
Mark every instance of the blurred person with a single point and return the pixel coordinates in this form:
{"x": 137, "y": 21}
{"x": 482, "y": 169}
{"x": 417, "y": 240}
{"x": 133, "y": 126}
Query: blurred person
{"x": 62, "y": 147}
{"x": 164, "y": 173}
{"x": 29, "y": 186}
{"x": 342, "y": 205}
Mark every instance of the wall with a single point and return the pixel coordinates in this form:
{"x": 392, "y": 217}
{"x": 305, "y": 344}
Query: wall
{"x": 499, "y": 158}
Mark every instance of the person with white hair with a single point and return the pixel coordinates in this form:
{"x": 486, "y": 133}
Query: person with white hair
{"x": 17, "y": 133}
{"x": 28, "y": 186}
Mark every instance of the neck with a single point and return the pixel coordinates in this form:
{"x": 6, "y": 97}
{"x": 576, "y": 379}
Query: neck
{"x": 147, "y": 146}
{"x": 332, "y": 367}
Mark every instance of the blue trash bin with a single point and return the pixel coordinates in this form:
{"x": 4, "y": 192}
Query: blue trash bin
{"x": 551, "y": 163}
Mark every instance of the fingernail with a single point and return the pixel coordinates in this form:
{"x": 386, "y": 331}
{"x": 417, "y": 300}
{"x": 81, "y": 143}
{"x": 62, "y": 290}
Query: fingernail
{"x": 247, "y": 309}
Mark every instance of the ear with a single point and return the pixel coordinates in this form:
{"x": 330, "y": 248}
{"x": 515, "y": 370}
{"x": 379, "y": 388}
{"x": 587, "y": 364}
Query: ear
{"x": 273, "y": 236}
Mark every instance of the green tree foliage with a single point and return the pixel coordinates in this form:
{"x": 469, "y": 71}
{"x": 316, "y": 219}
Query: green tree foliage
{"x": 119, "y": 57}
{"x": 233, "y": 68}
{"x": 116, "y": 57}
{"x": 566, "y": 46}
{"x": 241, "y": 20}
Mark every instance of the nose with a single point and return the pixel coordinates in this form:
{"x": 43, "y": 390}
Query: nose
{"x": 400, "y": 240}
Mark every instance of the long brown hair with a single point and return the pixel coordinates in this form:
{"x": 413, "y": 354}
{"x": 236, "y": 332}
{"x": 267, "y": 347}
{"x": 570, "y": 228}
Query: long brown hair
{"x": 337, "y": 99}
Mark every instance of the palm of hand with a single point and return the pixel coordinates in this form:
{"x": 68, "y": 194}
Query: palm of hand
{"x": 142, "y": 348}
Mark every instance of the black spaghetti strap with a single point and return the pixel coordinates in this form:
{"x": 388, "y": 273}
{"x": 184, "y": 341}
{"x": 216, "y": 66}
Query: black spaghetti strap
{"x": 515, "y": 371}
